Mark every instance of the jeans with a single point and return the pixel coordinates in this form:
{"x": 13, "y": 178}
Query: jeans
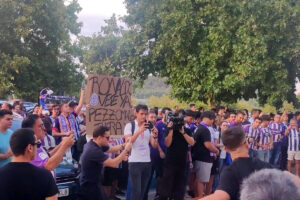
{"x": 217, "y": 176}
{"x": 128, "y": 193}
{"x": 252, "y": 153}
{"x": 263, "y": 155}
{"x": 157, "y": 167}
{"x": 139, "y": 174}
{"x": 275, "y": 152}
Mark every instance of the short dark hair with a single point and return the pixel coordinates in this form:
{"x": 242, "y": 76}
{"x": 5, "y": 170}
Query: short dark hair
{"x": 190, "y": 113}
{"x": 240, "y": 112}
{"x": 5, "y": 112}
{"x": 152, "y": 111}
{"x": 233, "y": 137}
{"x": 163, "y": 111}
{"x": 20, "y": 139}
{"x": 55, "y": 105}
{"x": 208, "y": 114}
{"x": 265, "y": 118}
{"x": 257, "y": 118}
{"x": 100, "y": 131}
{"x": 246, "y": 112}
{"x": 180, "y": 112}
{"x": 72, "y": 104}
{"x": 141, "y": 107}
{"x": 198, "y": 115}
{"x": 220, "y": 108}
{"x": 10, "y": 107}
{"x": 29, "y": 121}
{"x": 192, "y": 105}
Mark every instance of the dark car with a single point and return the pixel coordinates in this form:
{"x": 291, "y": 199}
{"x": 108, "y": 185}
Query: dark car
{"x": 67, "y": 180}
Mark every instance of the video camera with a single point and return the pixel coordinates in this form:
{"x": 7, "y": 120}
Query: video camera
{"x": 177, "y": 119}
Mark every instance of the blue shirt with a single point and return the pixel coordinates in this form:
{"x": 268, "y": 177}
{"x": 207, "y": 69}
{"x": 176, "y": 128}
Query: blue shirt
{"x": 16, "y": 124}
{"x": 162, "y": 129}
{"x": 4, "y": 146}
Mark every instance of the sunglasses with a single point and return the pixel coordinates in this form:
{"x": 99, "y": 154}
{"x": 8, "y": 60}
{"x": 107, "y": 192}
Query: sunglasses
{"x": 107, "y": 137}
{"x": 38, "y": 144}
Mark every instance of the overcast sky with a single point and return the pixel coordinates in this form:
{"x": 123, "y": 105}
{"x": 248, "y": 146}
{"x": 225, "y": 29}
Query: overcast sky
{"x": 94, "y": 12}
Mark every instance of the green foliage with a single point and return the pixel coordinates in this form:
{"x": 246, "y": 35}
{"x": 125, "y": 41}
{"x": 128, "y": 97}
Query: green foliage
{"x": 100, "y": 52}
{"x": 36, "y": 49}
{"x": 216, "y": 51}
{"x": 165, "y": 101}
{"x": 134, "y": 101}
{"x": 153, "y": 86}
{"x": 268, "y": 109}
{"x": 289, "y": 107}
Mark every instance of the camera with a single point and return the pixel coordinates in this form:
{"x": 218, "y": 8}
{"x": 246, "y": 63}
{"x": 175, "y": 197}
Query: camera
{"x": 149, "y": 125}
{"x": 177, "y": 119}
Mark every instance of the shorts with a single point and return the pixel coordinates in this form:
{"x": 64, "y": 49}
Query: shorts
{"x": 203, "y": 170}
{"x": 293, "y": 155}
{"x": 110, "y": 175}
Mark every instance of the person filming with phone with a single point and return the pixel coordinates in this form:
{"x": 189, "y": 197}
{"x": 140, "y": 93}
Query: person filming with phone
{"x": 141, "y": 133}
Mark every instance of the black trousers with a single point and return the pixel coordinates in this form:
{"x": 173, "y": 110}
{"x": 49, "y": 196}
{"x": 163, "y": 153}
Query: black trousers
{"x": 172, "y": 182}
{"x": 91, "y": 192}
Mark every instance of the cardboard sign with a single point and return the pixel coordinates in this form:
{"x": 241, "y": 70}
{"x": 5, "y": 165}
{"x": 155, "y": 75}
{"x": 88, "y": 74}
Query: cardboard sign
{"x": 109, "y": 100}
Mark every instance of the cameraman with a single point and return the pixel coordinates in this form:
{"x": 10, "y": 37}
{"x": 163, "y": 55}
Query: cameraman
{"x": 177, "y": 140}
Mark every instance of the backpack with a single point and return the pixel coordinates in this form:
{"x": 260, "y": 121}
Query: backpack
{"x": 132, "y": 127}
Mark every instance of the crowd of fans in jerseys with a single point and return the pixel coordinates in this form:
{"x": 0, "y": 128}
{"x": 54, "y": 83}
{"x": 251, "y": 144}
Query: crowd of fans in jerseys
{"x": 215, "y": 154}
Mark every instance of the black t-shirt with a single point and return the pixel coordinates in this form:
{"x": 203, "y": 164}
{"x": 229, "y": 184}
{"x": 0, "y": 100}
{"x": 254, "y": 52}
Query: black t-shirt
{"x": 199, "y": 151}
{"x": 92, "y": 160}
{"x": 177, "y": 152}
{"x": 233, "y": 175}
{"x": 24, "y": 181}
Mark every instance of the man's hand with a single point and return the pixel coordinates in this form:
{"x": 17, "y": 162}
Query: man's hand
{"x": 68, "y": 141}
{"x": 170, "y": 125}
{"x": 128, "y": 146}
{"x": 154, "y": 132}
{"x": 251, "y": 140}
{"x": 162, "y": 155}
{"x": 182, "y": 130}
{"x": 191, "y": 165}
{"x": 218, "y": 152}
{"x": 8, "y": 154}
{"x": 142, "y": 128}
{"x": 69, "y": 133}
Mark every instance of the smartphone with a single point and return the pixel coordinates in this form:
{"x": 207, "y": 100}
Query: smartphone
{"x": 83, "y": 85}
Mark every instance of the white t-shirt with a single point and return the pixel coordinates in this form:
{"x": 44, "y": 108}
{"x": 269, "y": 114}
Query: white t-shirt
{"x": 140, "y": 151}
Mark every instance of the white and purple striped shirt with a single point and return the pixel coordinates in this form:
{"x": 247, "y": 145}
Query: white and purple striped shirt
{"x": 114, "y": 142}
{"x": 251, "y": 133}
{"x": 48, "y": 142}
{"x": 277, "y": 130}
{"x": 294, "y": 140}
{"x": 263, "y": 138}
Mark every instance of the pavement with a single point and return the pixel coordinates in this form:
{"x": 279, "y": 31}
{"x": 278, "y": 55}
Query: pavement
{"x": 151, "y": 195}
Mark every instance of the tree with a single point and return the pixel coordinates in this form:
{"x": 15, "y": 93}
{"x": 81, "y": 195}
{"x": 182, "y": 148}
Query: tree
{"x": 217, "y": 51}
{"x": 100, "y": 52}
{"x": 36, "y": 49}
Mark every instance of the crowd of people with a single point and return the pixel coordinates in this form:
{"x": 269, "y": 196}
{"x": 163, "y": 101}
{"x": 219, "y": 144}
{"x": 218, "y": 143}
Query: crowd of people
{"x": 189, "y": 154}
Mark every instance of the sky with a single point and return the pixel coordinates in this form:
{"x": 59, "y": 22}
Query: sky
{"x": 94, "y": 12}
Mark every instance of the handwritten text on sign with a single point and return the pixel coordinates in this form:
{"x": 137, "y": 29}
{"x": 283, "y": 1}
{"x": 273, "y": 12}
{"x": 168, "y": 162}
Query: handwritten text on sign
{"x": 110, "y": 103}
